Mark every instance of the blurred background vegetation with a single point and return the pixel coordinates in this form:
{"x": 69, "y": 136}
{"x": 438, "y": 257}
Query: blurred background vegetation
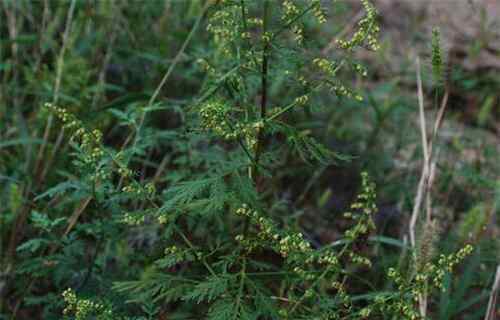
{"x": 93, "y": 56}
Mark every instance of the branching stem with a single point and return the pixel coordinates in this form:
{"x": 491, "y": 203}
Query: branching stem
{"x": 264, "y": 75}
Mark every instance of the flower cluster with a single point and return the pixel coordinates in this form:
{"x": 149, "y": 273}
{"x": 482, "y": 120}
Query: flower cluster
{"x": 365, "y": 312}
{"x": 257, "y": 22}
{"x": 302, "y": 80}
{"x": 83, "y": 308}
{"x": 330, "y": 68}
{"x": 162, "y": 219}
{"x": 133, "y": 219}
{"x": 448, "y": 262}
{"x": 325, "y": 66}
{"x": 398, "y": 304}
{"x": 285, "y": 244}
{"x": 250, "y": 132}
{"x": 301, "y": 100}
{"x": 267, "y": 228}
{"x": 214, "y": 116}
{"x": 290, "y": 12}
{"x": 304, "y": 274}
{"x": 329, "y": 258}
{"x": 342, "y": 294}
{"x": 125, "y": 172}
{"x": 341, "y": 90}
{"x": 359, "y": 260}
{"x": 293, "y": 243}
{"x": 368, "y": 30}
{"x": 318, "y": 11}
{"x": 175, "y": 255}
{"x": 291, "y": 246}
{"x": 298, "y": 30}
{"x": 205, "y": 66}
{"x": 436, "y": 57}
{"x": 359, "y": 69}
{"x": 134, "y": 188}
{"x": 225, "y": 28}
{"x": 94, "y": 155}
{"x": 411, "y": 289}
{"x": 90, "y": 141}
{"x": 436, "y": 272}
{"x": 362, "y": 210}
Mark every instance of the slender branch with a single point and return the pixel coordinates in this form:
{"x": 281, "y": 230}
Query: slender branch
{"x": 191, "y": 246}
{"x": 294, "y": 103}
{"x": 170, "y": 69}
{"x": 285, "y": 109}
{"x": 318, "y": 280}
{"x": 244, "y": 15}
{"x": 291, "y": 22}
{"x": 57, "y": 84}
{"x": 428, "y": 172}
{"x": 490, "y": 313}
{"x": 264, "y": 75}
{"x": 241, "y": 287}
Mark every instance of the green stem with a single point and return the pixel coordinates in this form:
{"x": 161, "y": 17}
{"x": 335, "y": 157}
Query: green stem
{"x": 174, "y": 63}
{"x": 264, "y": 75}
{"x": 191, "y": 246}
{"x": 318, "y": 280}
{"x": 293, "y": 104}
{"x": 188, "y": 243}
{"x": 242, "y": 284}
{"x": 295, "y": 19}
{"x": 285, "y": 109}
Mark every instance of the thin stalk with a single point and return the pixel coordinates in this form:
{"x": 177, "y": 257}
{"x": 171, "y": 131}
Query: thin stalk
{"x": 291, "y": 22}
{"x": 263, "y": 80}
{"x": 191, "y": 246}
{"x": 170, "y": 69}
{"x": 57, "y": 84}
{"x": 318, "y": 280}
{"x": 285, "y": 109}
{"x": 244, "y": 15}
{"x": 188, "y": 243}
{"x": 294, "y": 103}
{"x": 241, "y": 286}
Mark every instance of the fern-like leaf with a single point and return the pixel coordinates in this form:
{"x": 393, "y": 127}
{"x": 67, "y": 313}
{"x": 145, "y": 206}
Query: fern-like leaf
{"x": 208, "y": 290}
